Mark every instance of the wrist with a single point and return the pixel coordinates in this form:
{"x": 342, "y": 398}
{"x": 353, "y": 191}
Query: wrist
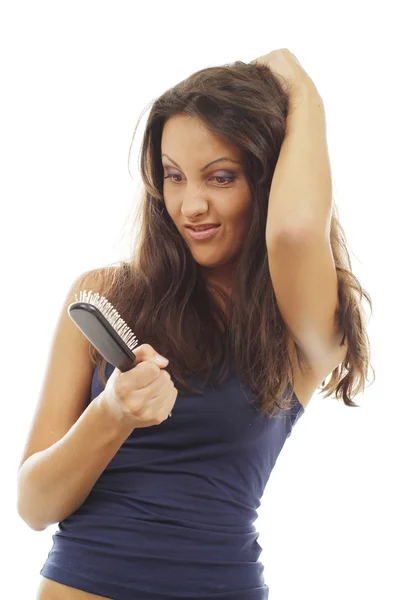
{"x": 115, "y": 418}
{"x": 303, "y": 91}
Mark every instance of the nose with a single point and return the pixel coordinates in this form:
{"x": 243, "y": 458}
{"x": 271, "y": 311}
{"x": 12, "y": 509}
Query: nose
{"x": 194, "y": 203}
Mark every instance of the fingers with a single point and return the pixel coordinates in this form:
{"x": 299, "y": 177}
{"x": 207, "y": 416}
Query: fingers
{"x": 147, "y": 352}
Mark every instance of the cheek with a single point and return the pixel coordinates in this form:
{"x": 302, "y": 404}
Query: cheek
{"x": 243, "y": 216}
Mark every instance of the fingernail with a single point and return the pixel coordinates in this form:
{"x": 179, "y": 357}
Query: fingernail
{"x": 160, "y": 359}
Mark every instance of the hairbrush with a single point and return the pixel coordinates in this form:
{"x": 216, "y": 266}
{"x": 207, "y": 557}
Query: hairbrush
{"x": 103, "y": 326}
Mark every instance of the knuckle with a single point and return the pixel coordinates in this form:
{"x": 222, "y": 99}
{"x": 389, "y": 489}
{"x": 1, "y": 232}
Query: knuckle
{"x": 148, "y": 416}
{"x": 159, "y": 419}
{"x": 146, "y": 348}
{"x": 150, "y": 367}
{"x": 121, "y": 388}
{"x": 134, "y": 403}
{"x": 165, "y": 375}
{"x": 141, "y": 413}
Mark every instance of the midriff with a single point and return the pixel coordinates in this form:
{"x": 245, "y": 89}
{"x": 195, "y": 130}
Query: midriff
{"x": 52, "y": 590}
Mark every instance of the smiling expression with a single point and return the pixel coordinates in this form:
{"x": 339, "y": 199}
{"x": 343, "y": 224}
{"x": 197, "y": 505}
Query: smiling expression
{"x": 197, "y": 192}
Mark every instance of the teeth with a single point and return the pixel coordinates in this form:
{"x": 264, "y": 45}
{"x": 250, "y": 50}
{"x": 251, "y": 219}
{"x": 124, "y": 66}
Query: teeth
{"x": 204, "y": 228}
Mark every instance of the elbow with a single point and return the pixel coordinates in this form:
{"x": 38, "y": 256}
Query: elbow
{"x": 29, "y": 521}
{"x": 25, "y": 505}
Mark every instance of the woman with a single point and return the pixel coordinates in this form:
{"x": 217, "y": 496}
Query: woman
{"x": 252, "y": 316}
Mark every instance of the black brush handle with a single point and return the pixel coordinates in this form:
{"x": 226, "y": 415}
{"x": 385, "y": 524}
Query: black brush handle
{"x": 102, "y": 335}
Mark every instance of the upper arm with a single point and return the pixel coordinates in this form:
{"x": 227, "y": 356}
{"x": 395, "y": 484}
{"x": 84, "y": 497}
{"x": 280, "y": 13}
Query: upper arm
{"x": 304, "y": 278}
{"x": 67, "y": 378}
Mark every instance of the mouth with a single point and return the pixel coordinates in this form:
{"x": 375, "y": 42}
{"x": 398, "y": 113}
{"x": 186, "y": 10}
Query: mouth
{"x": 203, "y": 234}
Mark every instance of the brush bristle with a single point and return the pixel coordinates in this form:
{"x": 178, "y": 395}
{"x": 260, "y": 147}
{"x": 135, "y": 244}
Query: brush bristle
{"x": 111, "y": 314}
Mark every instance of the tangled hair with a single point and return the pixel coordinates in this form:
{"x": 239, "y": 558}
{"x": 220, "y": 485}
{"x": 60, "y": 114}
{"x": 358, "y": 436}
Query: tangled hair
{"x": 161, "y": 292}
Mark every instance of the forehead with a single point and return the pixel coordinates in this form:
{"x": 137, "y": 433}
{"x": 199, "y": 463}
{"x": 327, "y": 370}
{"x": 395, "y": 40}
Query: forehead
{"x": 182, "y": 133}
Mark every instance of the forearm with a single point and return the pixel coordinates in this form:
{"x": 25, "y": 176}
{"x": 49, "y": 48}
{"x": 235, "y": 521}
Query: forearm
{"x": 53, "y": 483}
{"x": 301, "y": 191}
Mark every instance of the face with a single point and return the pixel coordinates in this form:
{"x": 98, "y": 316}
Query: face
{"x": 195, "y": 193}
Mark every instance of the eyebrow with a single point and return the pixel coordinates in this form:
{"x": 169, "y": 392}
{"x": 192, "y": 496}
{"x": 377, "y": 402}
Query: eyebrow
{"x": 208, "y": 164}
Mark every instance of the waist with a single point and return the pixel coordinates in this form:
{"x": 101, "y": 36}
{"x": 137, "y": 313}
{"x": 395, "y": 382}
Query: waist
{"x": 159, "y": 557}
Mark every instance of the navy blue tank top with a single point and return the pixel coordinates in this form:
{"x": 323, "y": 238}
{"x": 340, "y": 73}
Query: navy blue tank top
{"x": 172, "y": 515}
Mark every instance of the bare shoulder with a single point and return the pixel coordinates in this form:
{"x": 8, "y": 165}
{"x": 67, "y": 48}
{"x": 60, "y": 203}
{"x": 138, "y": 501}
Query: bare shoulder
{"x": 98, "y": 279}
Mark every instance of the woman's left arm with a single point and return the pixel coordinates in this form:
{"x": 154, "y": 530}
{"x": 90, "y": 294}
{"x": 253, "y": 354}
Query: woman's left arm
{"x": 301, "y": 264}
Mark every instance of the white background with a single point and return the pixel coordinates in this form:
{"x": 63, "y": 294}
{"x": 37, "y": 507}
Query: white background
{"x": 75, "y": 78}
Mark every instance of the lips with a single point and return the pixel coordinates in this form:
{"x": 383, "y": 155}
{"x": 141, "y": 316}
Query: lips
{"x": 204, "y": 234}
{"x": 203, "y": 227}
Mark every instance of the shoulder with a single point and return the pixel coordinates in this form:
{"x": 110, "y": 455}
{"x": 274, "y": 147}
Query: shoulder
{"x": 101, "y": 278}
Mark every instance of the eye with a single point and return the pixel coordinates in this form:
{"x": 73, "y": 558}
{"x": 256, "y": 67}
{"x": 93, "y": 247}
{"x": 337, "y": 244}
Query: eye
{"x": 228, "y": 179}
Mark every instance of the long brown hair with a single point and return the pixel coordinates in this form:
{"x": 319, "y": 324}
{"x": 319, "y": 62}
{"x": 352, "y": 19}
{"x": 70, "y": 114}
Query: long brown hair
{"x": 161, "y": 293}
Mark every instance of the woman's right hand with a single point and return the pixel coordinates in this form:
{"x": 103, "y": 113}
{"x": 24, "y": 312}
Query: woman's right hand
{"x": 144, "y": 395}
